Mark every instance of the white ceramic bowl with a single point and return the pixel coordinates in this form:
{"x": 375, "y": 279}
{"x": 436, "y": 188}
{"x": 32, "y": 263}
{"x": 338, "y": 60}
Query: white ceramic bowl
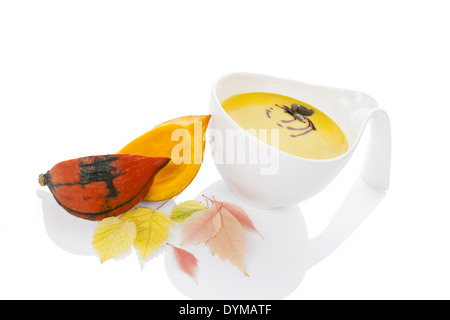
{"x": 287, "y": 179}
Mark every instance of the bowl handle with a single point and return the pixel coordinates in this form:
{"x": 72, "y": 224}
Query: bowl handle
{"x": 376, "y": 168}
{"x": 367, "y": 191}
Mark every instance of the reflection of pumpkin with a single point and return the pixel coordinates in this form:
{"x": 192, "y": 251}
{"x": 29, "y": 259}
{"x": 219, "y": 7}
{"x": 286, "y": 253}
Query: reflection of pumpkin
{"x": 174, "y": 178}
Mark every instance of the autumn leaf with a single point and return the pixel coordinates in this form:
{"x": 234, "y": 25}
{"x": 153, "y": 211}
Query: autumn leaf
{"x": 201, "y": 226}
{"x": 112, "y": 237}
{"x": 230, "y": 242}
{"x": 152, "y": 229}
{"x": 241, "y": 216}
{"x": 186, "y": 262}
{"x": 185, "y": 210}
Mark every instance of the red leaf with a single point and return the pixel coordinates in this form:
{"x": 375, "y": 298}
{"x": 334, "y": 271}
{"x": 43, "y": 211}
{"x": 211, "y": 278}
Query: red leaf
{"x": 200, "y": 226}
{"x": 238, "y": 213}
{"x": 186, "y": 262}
{"x": 242, "y": 217}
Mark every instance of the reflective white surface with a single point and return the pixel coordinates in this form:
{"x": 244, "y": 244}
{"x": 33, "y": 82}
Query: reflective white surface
{"x": 276, "y": 264}
{"x": 73, "y": 234}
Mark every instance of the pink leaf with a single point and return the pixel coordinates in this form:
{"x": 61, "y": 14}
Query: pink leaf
{"x": 201, "y": 226}
{"x": 186, "y": 261}
{"x": 242, "y": 217}
{"x": 230, "y": 242}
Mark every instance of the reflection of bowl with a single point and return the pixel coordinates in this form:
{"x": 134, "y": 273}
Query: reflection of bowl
{"x": 276, "y": 264}
{"x": 286, "y": 179}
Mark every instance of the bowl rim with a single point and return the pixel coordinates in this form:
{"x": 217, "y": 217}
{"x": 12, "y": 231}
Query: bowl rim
{"x": 339, "y": 158}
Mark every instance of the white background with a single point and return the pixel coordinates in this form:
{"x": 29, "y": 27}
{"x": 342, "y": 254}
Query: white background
{"x": 80, "y": 78}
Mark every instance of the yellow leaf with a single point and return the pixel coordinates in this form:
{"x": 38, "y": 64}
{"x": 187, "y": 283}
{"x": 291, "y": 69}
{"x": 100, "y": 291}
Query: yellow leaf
{"x": 185, "y": 210}
{"x": 152, "y": 229}
{"x": 112, "y": 237}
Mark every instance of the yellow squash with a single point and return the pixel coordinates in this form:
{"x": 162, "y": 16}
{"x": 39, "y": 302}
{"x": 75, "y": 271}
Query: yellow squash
{"x": 182, "y": 140}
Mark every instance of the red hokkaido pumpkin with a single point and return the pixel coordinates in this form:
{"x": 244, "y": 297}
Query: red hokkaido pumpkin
{"x": 102, "y": 186}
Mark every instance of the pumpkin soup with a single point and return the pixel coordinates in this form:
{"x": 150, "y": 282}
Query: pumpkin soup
{"x": 304, "y": 131}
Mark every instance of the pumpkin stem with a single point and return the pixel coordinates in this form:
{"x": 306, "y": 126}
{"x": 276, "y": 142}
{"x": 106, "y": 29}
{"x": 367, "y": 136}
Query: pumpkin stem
{"x": 42, "y": 180}
{"x": 163, "y": 204}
